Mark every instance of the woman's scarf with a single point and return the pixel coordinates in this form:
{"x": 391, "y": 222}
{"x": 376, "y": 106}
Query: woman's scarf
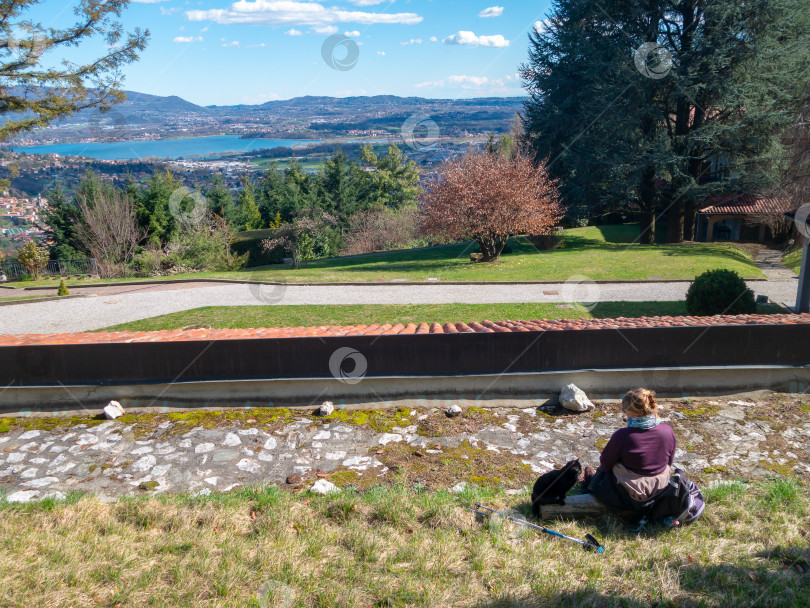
{"x": 643, "y": 422}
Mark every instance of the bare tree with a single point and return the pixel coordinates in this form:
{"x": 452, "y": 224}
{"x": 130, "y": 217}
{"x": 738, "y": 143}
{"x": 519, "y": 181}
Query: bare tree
{"x": 489, "y": 198}
{"x": 109, "y": 229}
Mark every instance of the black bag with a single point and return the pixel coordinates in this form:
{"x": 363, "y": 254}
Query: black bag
{"x": 681, "y": 502}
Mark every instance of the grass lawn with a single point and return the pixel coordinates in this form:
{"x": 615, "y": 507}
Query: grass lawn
{"x": 793, "y": 260}
{"x": 236, "y": 317}
{"x": 25, "y": 297}
{"x": 598, "y": 253}
{"x": 397, "y": 546}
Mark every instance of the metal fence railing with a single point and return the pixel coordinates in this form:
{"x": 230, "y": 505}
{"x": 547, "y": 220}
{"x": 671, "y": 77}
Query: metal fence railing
{"x": 14, "y": 270}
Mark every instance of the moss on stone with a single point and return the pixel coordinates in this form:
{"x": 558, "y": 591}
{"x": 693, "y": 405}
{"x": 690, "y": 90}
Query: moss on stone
{"x": 714, "y": 469}
{"x": 600, "y": 443}
{"x": 345, "y": 478}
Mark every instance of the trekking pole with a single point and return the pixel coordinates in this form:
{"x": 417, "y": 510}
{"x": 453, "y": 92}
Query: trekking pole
{"x": 590, "y": 543}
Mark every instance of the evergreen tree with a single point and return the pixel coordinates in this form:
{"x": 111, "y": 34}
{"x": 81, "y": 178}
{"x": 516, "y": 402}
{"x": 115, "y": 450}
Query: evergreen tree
{"x": 35, "y": 94}
{"x": 250, "y": 218}
{"x": 61, "y": 217}
{"x": 220, "y": 200}
{"x": 339, "y": 187}
{"x": 613, "y": 118}
{"x": 387, "y": 181}
{"x": 152, "y": 204}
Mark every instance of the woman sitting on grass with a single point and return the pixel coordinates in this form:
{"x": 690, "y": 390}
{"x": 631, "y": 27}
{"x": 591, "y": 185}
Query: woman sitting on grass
{"x": 635, "y": 463}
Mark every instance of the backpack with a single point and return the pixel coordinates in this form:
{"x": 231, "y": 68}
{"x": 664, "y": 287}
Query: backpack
{"x": 681, "y": 502}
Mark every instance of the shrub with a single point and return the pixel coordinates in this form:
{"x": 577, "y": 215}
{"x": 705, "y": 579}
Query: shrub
{"x": 719, "y": 292}
{"x": 63, "y": 290}
{"x": 250, "y": 243}
{"x": 548, "y": 241}
{"x": 33, "y": 258}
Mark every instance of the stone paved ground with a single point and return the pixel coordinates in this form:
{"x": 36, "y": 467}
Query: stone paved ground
{"x": 201, "y": 452}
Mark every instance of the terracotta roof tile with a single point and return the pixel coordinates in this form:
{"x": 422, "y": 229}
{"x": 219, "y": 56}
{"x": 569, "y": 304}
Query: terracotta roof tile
{"x": 536, "y": 325}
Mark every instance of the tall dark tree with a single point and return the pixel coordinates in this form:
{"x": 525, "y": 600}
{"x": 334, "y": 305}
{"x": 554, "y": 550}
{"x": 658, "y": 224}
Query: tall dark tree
{"x": 624, "y": 95}
{"x": 38, "y": 87}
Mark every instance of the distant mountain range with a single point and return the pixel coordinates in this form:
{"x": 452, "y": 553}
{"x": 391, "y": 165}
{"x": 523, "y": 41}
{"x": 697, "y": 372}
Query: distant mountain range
{"x": 145, "y": 116}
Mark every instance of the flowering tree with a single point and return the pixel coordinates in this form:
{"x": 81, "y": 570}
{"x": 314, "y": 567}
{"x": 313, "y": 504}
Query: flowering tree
{"x": 33, "y": 258}
{"x": 488, "y": 198}
{"x": 301, "y": 236}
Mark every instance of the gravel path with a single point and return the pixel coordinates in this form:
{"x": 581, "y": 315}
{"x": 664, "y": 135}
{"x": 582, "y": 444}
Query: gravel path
{"x": 96, "y": 312}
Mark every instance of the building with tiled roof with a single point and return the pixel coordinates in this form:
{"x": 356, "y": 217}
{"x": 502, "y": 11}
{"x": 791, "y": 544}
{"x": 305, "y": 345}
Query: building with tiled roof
{"x": 734, "y": 217}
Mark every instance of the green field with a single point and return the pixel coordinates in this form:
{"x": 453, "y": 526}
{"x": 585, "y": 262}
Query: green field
{"x": 793, "y": 260}
{"x": 596, "y": 253}
{"x": 399, "y": 546}
{"x": 240, "y": 317}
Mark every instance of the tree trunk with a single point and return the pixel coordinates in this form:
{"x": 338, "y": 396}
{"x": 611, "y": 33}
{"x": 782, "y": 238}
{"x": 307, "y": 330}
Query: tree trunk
{"x": 674, "y": 218}
{"x": 647, "y": 196}
{"x": 690, "y": 210}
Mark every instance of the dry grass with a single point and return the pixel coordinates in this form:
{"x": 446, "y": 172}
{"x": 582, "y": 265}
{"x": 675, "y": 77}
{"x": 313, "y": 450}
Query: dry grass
{"x": 395, "y": 546}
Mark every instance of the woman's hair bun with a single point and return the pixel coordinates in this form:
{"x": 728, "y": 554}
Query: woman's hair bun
{"x": 639, "y": 402}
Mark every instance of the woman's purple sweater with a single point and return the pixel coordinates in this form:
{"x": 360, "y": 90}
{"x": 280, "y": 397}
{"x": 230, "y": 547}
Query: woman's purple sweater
{"x": 646, "y": 452}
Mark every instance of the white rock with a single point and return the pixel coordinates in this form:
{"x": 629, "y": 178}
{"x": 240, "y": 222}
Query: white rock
{"x": 327, "y": 407}
{"x": 232, "y": 440}
{"x": 323, "y": 486}
{"x": 742, "y": 403}
{"x": 574, "y": 398}
{"x": 248, "y": 465}
{"x": 41, "y": 482}
{"x": 453, "y": 411}
{"x": 144, "y": 464}
{"x": 22, "y": 496}
{"x": 387, "y": 438}
{"x": 271, "y": 444}
{"x": 29, "y": 435}
{"x": 459, "y": 487}
{"x": 113, "y": 410}
{"x": 204, "y": 447}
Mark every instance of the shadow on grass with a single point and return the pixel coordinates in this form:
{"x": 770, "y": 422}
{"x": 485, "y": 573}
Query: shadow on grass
{"x": 773, "y": 583}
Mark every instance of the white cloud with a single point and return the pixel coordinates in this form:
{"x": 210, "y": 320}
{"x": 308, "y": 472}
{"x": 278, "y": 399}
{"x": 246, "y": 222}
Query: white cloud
{"x": 254, "y": 46}
{"x": 434, "y": 39}
{"x": 492, "y": 11}
{"x": 368, "y": 2}
{"x": 491, "y": 85}
{"x": 233, "y": 43}
{"x": 352, "y": 34}
{"x": 261, "y": 98}
{"x": 295, "y": 12}
{"x": 170, "y": 11}
{"x": 294, "y": 32}
{"x": 412, "y": 41}
{"x": 541, "y": 26}
{"x": 149, "y": 1}
{"x": 325, "y": 29}
{"x": 181, "y": 39}
{"x": 381, "y": 53}
{"x": 470, "y": 39}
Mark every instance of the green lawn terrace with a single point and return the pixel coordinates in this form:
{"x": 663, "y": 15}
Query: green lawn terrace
{"x": 598, "y": 253}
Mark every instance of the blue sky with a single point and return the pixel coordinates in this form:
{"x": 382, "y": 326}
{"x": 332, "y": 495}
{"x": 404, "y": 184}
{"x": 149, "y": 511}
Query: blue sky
{"x": 251, "y": 51}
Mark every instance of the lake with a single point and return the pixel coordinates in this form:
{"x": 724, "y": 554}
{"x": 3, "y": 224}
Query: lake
{"x": 163, "y": 149}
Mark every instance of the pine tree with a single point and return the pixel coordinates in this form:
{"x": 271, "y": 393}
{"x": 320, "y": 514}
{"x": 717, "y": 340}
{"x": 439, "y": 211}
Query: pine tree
{"x": 34, "y": 92}
{"x": 729, "y": 84}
